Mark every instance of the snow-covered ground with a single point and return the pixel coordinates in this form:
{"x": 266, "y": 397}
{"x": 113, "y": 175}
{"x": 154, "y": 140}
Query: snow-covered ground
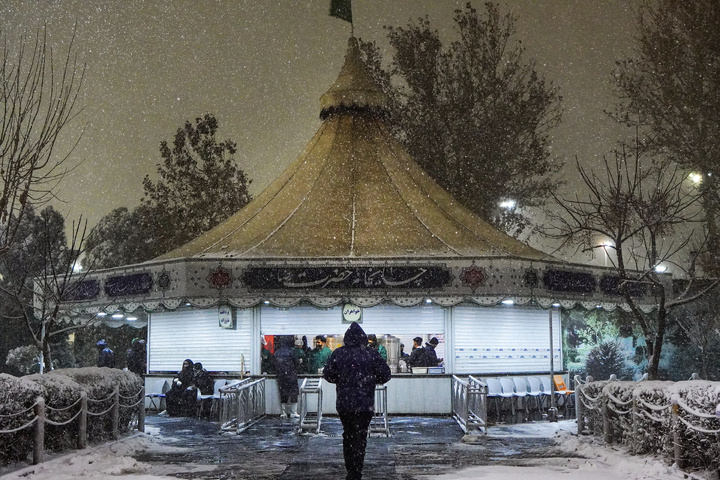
{"x": 115, "y": 459}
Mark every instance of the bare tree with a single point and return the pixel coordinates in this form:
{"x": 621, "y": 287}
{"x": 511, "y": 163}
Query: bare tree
{"x": 701, "y": 323}
{"x": 647, "y": 212}
{"x": 39, "y": 273}
{"x": 670, "y": 89}
{"x": 38, "y": 99}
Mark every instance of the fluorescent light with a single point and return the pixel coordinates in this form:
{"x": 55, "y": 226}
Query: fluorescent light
{"x": 117, "y": 315}
{"x": 427, "y": 300}
{"x": 131, "y": 319}
{"x": 556, "y": 305}
{"x": 102, "y": 314}
{"x": 508, "y": 301}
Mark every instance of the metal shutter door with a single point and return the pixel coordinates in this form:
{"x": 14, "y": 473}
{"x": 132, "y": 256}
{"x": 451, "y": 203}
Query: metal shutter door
{"x": 504, "y": 340}
{"x": 195, "y": 334}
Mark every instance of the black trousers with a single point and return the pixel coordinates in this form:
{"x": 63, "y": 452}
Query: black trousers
{"x": 355, "y": 431}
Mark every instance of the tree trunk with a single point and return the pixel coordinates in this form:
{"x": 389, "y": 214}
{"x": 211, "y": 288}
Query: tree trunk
{"x": 47, "y": 357}
{"x": 656, "y": 349}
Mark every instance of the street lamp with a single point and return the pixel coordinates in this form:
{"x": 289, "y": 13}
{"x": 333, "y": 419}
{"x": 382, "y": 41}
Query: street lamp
{"x": 605, "y": 244}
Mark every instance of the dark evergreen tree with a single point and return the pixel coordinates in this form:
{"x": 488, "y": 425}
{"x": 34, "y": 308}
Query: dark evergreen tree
{"x": 473, "y": 113}
{"x": 199, "y": 185}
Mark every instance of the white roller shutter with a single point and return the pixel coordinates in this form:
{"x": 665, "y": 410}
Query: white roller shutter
{"x": 504, "y": 340}
{"x": 196, "y": 334}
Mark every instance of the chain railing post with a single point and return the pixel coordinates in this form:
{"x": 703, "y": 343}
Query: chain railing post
{"x": 82, "y": 421}
{"x": 141, "y": 410}
{"x": 677, "y": 437}
{"x": 39, "y": 438}
{"x": 607, "y": 425}
{"x": 116, "y": 414}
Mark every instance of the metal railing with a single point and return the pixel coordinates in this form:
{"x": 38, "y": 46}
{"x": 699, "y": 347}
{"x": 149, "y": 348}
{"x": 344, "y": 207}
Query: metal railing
{"x": 242, "y": 404}
{"x": 379, "y": 422}
{"x": 469, "y": 404}
{"x": 310, "y": 420}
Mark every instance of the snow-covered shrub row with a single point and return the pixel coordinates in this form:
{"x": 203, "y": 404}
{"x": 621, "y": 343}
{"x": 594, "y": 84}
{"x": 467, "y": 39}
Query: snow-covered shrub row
{"x": 697, "y": 401}
{"x": 61, "y": 396}
{"x": 99, "y": 383}
{"x": 640, "y": 414}
{"x": 593, "y": 401}
{"x": 16, "y": 395}
{"x": 60, "y": 389}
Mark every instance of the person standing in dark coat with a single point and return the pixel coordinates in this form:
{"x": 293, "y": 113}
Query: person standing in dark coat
{"x": 286, "y": 364}
{"x": 106, "y": 357}
{"x": 430, "y": 355}
{"x": 418, "y": 355}
{"x": 137, "y": 357}
{"x": 355, "y": 369}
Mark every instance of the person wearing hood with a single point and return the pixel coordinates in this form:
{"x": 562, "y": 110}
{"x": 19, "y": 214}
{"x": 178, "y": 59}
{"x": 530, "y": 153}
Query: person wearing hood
{"x": 286, "y": 365}
{"x": 355, "y": 369}
{"x": 106, "y": 357}
{"x": 181, "y": 399}
{"x": 137, "y": 357}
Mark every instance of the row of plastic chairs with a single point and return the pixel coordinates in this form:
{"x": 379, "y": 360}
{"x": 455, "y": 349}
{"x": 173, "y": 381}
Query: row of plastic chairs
{"x": 516, "y": 388}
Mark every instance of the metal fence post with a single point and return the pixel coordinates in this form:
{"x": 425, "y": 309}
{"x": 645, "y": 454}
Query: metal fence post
{"x": 39, "y": 438}
{"x": 677, "y": 438}
{"x": 116, "y": 413}
{"x": 141, "y": 410}
{"x": 82, "y": 421}
{"x": 607, "y": 426}
{"x": 579, "y": 409}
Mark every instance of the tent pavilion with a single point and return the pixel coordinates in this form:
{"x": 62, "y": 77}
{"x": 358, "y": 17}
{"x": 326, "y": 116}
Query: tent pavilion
{"x": 354, "y": 230}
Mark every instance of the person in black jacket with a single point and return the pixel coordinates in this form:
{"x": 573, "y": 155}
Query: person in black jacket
{"x": 137, "y": 357}
{"x": 181, "y": 399}
{"x": 355, "y": 369}
{"x": 286, "y": 364}
{"x": 106, "y": 357}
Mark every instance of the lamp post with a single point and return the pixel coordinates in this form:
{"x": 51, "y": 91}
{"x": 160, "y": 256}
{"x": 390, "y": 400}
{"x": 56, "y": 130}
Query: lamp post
{"x": 552, "y": 411}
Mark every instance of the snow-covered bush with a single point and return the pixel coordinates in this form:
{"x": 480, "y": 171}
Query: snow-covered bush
{"x": 99, "y": 383}
{"x": 697, "y": 401}
{"x": 619, "y": 397}
{"x": 60, "y": 392}
{"x": 17, "y": 395}
{"x": 25, "y": 359}
{"x": 592, "y": 398}
{"x": 652, "y": 419}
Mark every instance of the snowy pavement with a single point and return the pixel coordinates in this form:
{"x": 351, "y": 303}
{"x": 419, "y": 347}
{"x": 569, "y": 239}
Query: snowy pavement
{"x": 420, "y": 448}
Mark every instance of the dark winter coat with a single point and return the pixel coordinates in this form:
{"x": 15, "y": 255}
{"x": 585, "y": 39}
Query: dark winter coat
{"x": 286, "y": 364}
{"x": 430, "y": 355}
{"x": 106, "y": 358}
{"x": 202, "y": 380}
{"x": 355, "y": 369}
{"x": 181, "y": 399}
{"x": 137, "y": 357}
{"x": 418, "y": 358}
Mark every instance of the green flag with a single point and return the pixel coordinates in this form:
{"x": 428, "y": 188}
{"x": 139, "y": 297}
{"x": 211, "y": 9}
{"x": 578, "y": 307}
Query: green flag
{"x": 341, "y": 9}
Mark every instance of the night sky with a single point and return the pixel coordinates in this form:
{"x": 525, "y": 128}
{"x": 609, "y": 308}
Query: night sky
{"x": 260, "y": 66}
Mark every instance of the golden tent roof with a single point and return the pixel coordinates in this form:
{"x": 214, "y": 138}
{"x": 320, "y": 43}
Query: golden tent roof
{"x": 353, "y": 193}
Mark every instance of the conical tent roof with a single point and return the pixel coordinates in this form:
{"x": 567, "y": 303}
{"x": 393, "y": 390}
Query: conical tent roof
{"x": 353, "y": 193}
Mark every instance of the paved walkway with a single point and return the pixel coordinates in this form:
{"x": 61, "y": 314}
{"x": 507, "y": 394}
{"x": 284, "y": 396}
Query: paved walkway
{"x": 272, "y": 449}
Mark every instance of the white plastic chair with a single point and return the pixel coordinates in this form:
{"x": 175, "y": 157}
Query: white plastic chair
{"x": 495, "y": 391}
{"x": 508, "y": 389}
{"x": 214, "y": 397}
{"x": 535, "y": 390}
{"x": 157, "y": 392}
